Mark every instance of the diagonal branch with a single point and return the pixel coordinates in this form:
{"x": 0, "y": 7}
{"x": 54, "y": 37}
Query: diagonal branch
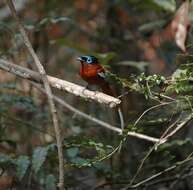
{"x": 60, "y": 84}
{"x": 163, "y": 138}
{"x": 35, "y": 78}
{"x": 177, "y": 164}
{"x": 48, "y": 91}
{"x": 97, "y": 121}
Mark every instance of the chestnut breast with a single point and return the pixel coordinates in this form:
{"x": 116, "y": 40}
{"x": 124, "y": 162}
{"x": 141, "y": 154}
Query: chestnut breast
{"x": 89, "y": 73}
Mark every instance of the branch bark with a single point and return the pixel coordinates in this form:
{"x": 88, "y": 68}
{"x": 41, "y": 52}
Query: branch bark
{"x": 34, "y": 77}
{"x": 20, "y": 5}
{"x": 97, "y": 121}
{"x": 48, "y": 91}
{"x": 60, "y": 84}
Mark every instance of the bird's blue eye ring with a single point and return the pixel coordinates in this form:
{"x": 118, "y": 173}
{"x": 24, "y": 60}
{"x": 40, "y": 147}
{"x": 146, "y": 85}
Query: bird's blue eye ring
{"x": 89, "y": 60}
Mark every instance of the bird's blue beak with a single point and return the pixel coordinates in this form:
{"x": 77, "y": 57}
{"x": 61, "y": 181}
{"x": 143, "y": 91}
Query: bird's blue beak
{"x": 79, "y": 59}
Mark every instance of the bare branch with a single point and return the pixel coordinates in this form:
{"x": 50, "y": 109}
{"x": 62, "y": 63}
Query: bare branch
{"x": 97, "y": 121}
{"x": 179, "y": 126}
{"x": 163, "y": 138}
{"x": 34, "y": 76}
{"x": 60, "y": 84}
{"x": 151, "y": 108}
{"x": 48, "y": 92}
{"x": 20, "y": 5}
{"x": 189, "y": 158}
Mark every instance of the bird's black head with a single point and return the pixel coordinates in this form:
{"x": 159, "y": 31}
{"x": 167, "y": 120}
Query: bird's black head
{"x": 90, "y": 59}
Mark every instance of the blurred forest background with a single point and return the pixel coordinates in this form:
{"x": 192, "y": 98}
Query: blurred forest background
{"x": 146, "y": 47}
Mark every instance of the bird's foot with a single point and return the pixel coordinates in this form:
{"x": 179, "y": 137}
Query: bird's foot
{"x": 86, "y": 88}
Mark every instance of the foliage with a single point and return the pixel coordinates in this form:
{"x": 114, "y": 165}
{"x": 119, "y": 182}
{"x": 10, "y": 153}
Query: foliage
{"x": 21, "y": 163}
{"x": 78, "y": 146}
{"x": 38, "y": 157}
{"x": 147, "y": 62}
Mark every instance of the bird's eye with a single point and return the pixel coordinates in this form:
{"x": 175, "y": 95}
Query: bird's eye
{"x": 89, "y": 60}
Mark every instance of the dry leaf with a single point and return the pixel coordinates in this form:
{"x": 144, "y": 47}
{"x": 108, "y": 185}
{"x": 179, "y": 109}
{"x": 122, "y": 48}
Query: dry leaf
{"x": 177, "y": 29}
{"x": 180, "y": 24}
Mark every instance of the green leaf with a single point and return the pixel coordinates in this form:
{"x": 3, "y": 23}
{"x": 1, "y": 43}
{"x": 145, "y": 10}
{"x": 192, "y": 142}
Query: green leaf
{"x": 176, "y": 143}
{"x": 80, "y": 161}
{"x": 9, "y": 85}
{"x": 24, "y": 102}
{"x": 179, "y": 74}
{"x": 152, "y": 26}
{"x": 104, "y": 58}
{"x": 22, "y": 163}
{"x": 141, "y": 65}
{"x": 49, "y": 20}
{"x": 72, "y": 152}
{"x": 5, "y": 158}
{"x": 46, "y": 21}
{"x": 169, "y": 5}
{"x": 50, "y": 182}
{"x": 38, "y": 158}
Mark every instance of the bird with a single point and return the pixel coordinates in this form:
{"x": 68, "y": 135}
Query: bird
{"x": 94, "y": 73}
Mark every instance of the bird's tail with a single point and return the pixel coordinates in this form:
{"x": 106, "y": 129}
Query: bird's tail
{"x": 107, "y": 89}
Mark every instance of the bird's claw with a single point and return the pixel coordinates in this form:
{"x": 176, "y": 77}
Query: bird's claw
{"x": 86, "y": 88}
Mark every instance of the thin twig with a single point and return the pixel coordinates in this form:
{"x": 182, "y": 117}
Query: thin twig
{"x": 179, "y": 126}
{"x": 19, "y": 7}
{"x": 173, "y": 179}
{"x": 149, "y": 179}
{"x": 163, "y": 96}
{"x": 95, "y": 120}
{"x": 122, "y": 123}
{"x": 151, "y": 108}
{"x": 48, "y": 92}
{"x": 163, "y": 138}
{"x": 189, "y": 158}
{"x": 188, "y": 171}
